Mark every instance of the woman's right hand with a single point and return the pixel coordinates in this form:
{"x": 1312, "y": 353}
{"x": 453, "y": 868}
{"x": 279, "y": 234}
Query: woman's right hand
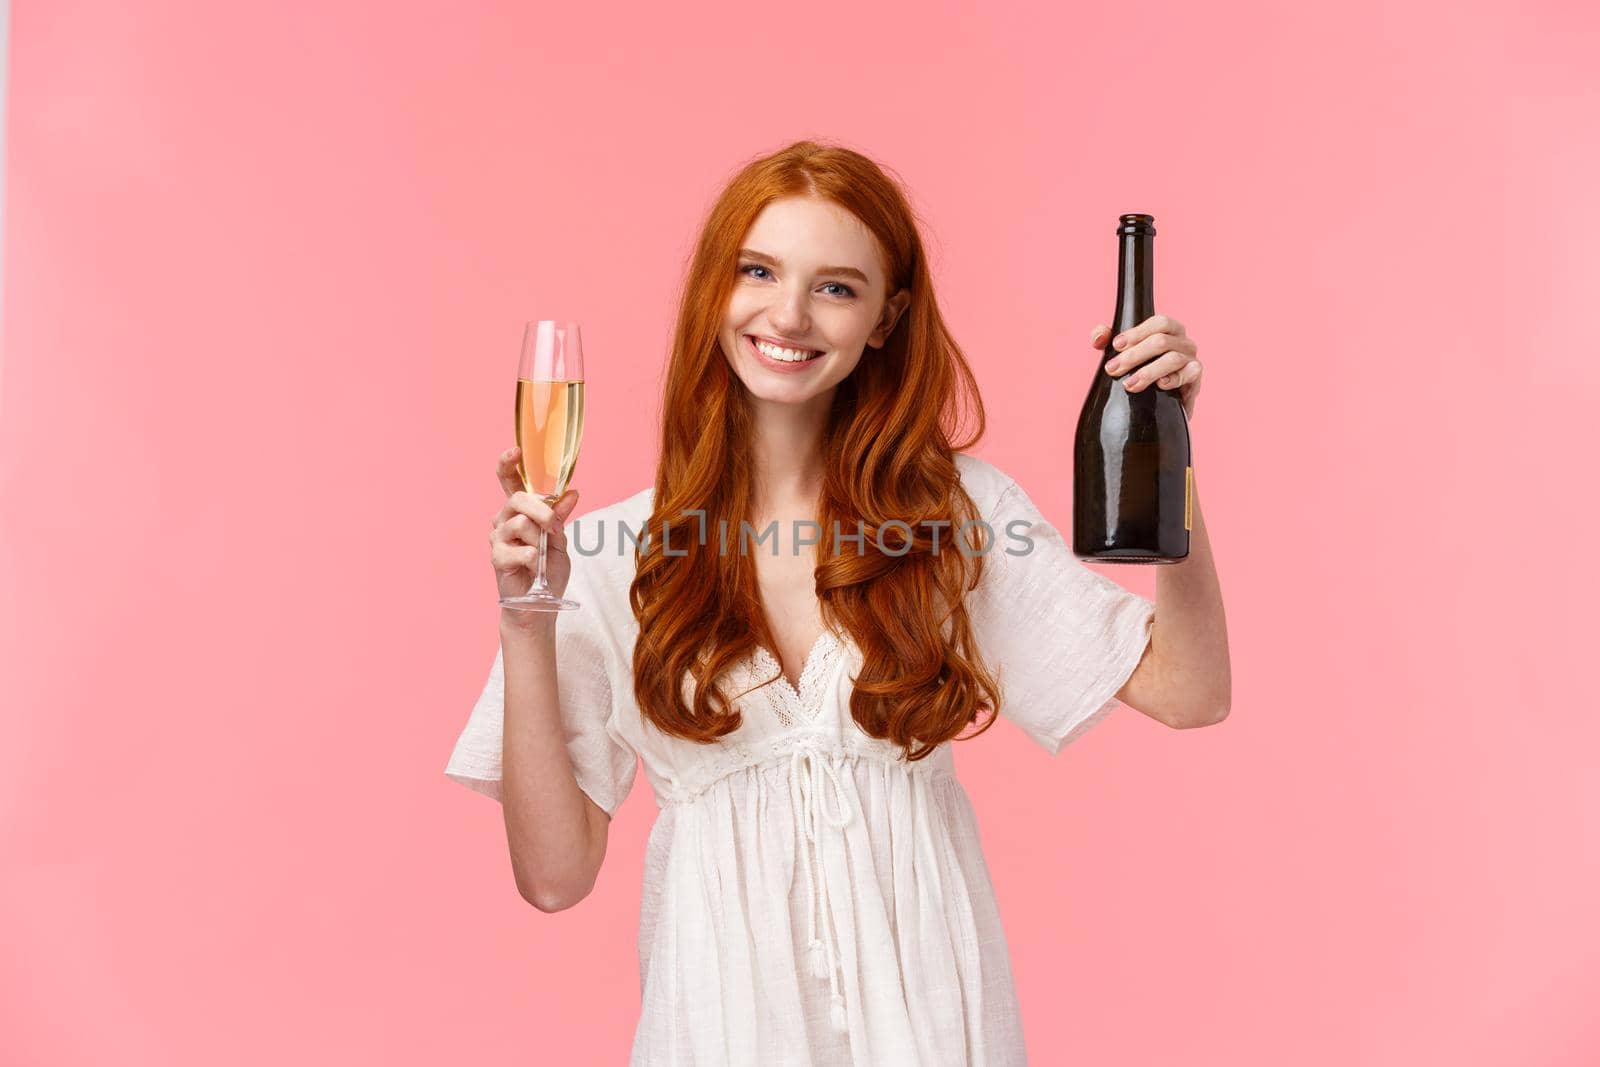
{"x": 514, "y": 540}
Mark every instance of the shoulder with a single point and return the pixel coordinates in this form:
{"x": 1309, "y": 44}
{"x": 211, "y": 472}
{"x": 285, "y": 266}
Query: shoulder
{"x": 600, "y": 547}
{"x": 984, "y": 482}
{"x": 600, "y": 540}
{"x": 630, "y": 509}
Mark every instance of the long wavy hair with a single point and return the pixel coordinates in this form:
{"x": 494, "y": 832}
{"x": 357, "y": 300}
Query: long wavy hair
{"x": 894, "y": 426}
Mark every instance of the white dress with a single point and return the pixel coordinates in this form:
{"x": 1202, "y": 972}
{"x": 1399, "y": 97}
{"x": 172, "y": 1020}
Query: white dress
{"x": 808, "y": 898}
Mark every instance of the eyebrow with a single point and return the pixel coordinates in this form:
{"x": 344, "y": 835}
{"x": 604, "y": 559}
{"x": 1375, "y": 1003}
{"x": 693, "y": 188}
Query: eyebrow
{"x": 847, "y": 272}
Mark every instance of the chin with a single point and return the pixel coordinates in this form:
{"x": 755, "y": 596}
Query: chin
{"x": 784, "y": 392}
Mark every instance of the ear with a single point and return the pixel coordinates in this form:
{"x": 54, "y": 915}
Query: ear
{"x": 893, "y": 308}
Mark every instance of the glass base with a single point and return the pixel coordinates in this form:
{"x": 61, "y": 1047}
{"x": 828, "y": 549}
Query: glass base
{"x": 538, "y": 602}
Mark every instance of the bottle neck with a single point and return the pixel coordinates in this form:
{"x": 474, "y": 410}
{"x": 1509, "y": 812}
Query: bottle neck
{"x": 1136, "y": 295}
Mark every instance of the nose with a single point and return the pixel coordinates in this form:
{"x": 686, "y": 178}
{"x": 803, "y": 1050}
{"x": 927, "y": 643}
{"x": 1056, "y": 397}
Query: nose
{"x": 790, "y": 313}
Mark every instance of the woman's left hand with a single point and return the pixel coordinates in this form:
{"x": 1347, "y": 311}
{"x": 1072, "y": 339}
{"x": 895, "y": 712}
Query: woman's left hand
{"x": 1160, "y": 342}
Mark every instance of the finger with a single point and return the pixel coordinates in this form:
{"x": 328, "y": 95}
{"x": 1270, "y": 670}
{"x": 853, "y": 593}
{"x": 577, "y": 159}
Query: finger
{"x": 1158, "y": 368}
{"x": 1183, "y": 377}
{"x": 519, "y": 529}
{"x": 1190, "y": 392}
{"x": 522, "y": 531}
{"x": 505, "y": 512}
{"x": 1150, "y": 348}
{"x": 555, "y": 539}
{"x": 507, "y": 471}
{"x": 1099, "y": 336}
{"x": 536, "y": 515}
{"x": 1153, "y": 325}
{"x": 523, "y": 502}
{"x": 512, "y": 556}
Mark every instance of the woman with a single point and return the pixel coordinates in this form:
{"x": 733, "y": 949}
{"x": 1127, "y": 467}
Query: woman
{"x": 815, "y": 891}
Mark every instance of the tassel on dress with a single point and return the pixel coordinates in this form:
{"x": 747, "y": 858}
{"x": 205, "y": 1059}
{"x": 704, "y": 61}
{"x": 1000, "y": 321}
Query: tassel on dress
{"x": 819, "y": 960}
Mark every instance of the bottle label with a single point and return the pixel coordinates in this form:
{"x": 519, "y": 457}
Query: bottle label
{"x": 1188, "y": 497}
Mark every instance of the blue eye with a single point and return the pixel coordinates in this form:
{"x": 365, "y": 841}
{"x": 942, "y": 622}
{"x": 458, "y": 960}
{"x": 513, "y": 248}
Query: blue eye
{"x": 746, "y": 268}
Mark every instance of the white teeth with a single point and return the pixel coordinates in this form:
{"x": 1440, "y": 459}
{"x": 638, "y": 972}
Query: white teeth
{"x": 788, "y": 355}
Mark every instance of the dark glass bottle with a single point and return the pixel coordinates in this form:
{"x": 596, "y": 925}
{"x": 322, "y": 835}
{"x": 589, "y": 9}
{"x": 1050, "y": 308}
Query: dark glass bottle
{"x": 1133, "y": 482}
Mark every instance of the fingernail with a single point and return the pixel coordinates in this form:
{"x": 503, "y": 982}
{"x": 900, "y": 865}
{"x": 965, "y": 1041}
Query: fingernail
{"x": 1120, "y": 341}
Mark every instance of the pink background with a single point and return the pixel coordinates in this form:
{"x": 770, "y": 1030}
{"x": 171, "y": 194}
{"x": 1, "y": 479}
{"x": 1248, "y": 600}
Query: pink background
{"x": 265, "y": 273}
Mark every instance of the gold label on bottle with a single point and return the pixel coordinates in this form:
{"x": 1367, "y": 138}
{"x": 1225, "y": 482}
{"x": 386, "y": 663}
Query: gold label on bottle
{"x": 1188, "y": 497}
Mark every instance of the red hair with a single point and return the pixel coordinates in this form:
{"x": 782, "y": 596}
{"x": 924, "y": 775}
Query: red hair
{"x": 889, "y": 445}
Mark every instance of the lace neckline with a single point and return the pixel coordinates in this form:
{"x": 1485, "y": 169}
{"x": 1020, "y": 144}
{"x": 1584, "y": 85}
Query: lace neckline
{"x": 798, "y": 703}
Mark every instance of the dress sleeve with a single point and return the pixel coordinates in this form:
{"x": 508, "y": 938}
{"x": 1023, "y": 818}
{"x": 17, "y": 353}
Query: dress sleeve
{"x": 603, "y": 761}
{"x": 1061, "y": 638}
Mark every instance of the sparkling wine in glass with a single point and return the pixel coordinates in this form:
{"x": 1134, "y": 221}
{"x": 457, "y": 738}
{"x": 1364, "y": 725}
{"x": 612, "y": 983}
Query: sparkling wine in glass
{"x": 549, "y": 427}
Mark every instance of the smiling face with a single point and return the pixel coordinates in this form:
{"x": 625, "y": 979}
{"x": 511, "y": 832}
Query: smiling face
{"x": 810, "y": 283}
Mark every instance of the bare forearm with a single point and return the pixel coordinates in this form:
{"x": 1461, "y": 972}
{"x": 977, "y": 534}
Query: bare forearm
{"x": 556, "y": 848}
{"x": 1191, "y": 633}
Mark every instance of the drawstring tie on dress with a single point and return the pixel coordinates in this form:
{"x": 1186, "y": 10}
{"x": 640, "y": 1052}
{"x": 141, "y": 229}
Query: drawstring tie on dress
{"x": 806, "y": 784}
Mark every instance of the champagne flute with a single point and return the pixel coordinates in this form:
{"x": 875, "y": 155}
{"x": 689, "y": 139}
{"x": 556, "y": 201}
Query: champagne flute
{"x": 549, "y": 427}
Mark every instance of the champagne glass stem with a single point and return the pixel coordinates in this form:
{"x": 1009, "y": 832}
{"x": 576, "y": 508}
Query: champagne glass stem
{"x": 539, "y": 583}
